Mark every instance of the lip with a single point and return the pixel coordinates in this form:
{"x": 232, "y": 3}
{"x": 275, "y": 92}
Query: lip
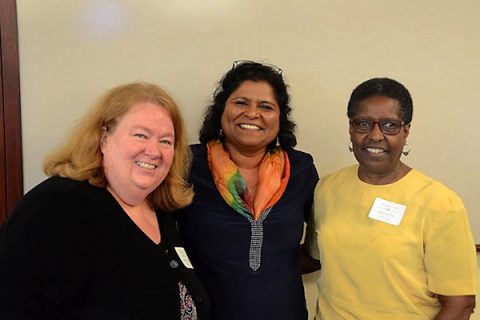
{"x": 249, "y": 126}
{"x": 146, "y": 165}
{"x": 375, "y": 150}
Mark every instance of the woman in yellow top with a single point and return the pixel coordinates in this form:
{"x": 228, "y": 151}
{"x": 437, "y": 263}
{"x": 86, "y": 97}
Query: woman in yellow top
{"x": 393, "y": 242}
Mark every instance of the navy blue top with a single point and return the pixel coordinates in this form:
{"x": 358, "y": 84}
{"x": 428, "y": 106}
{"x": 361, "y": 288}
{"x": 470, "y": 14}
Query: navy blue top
{"x": 217, "y": 240}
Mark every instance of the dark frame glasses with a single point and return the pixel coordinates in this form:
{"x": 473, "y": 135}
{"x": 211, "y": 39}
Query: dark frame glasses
{"x": 387, "y": 126}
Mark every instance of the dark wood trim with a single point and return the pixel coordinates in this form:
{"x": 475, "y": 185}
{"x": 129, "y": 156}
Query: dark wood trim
{"x": 478, "y": 248}
{"x": 3, "y": 204}
{"x": 11, "y": 174}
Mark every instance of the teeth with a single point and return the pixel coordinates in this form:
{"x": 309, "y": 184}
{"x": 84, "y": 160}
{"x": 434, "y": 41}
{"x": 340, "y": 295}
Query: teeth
{"x": 249, "y": 126}
{"x": 145, "y": 165}
{"x": 374, "y": 150}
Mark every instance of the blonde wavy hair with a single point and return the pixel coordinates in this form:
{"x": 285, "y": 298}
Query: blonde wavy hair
{"x": 80, "y": 157}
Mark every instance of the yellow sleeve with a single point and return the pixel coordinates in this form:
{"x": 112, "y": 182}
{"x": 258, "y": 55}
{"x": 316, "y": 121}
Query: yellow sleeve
{"x": 450, "y": 254}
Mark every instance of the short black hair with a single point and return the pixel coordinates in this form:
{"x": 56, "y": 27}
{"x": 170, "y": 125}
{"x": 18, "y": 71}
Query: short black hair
{"x": 250, "y": 71}
{"x": 382, "y": 87}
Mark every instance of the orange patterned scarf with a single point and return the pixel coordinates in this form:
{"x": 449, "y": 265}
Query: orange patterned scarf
{"x": 273, "y": 175}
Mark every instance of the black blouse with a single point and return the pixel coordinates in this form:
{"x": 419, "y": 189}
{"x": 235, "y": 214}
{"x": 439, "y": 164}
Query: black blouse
{"x": 69, "y": 251}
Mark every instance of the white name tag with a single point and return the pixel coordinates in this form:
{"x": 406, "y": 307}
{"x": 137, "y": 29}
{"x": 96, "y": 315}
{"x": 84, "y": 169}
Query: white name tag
{"x": 182, "y": 254}
{"x": 387, "y": 211}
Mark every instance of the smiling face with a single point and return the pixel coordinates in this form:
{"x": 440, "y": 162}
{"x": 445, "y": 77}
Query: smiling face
{"x": 377, "y": 153}
{"x": 251, "y": 119}
{"x": 138, "y": 152}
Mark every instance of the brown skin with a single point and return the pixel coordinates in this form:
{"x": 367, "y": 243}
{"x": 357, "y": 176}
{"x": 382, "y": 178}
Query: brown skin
{"x": 455, "y": 307}
{"x": 379, "y": 154}
{"x": 379, "y": 163}
{"x": 251, "y": 119}
{"x": 250, "y": 122}
{"x": 307, "y": 263}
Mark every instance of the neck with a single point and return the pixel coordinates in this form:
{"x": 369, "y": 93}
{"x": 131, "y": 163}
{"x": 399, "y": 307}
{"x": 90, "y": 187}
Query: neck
{"x": 246, "y": 159}
{"x": 381, "y": 178}
{"x": 132, "y": 202}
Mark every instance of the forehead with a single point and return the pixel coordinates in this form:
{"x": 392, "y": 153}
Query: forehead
{"x": 147, "y": 113}
{"x": 255, "y": 88}
{"x": 378, "y": 107}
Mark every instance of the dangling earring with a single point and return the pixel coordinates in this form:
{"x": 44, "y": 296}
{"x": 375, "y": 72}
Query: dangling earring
{"x": 277, "y": 142}
{"x": 220, "y": 134}
{"x": 406, "y": 149}
{"x": 350, "y": 147}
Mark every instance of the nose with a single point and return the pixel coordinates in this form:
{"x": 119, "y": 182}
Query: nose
{"x": 251, "y": 111}
{"x": 376, "y": 134}
{"x": 152, "y": 148}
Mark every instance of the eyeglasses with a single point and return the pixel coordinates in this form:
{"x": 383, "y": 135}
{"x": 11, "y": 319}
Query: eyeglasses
{"x": 387, "y": 126}
{"x": 248, "y": 62}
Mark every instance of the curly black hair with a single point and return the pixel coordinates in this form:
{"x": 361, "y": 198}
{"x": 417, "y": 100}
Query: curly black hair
{"x": 253, "y": 71}
{"x": 382, "y": 87}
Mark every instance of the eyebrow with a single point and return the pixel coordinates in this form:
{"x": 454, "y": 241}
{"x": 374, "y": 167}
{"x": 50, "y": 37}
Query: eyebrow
{"x": 261, "y": 101}
{"x": 150, "y": 131}
{"x": 137, "y": 127}
{"x": 374, "y": 119}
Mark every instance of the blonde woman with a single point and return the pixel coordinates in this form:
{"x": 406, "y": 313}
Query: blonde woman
{"x": 96, "y": 239}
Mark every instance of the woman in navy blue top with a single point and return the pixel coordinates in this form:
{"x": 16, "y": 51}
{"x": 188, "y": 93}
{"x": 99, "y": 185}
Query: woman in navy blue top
{"x": 253, "y": 192}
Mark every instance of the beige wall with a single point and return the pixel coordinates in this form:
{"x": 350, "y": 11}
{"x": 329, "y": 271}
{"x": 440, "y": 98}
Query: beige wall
{"x": 72, "y": 51}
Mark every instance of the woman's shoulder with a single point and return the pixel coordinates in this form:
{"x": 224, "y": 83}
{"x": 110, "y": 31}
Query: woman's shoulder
{"x": 199, "y": 151}
{"x": 54, "y": 189}
{"x": 302, "y": 168}
{"x": 299, "y": 157}
{"x": 433, "y": 187}
{"x": 49, "y": 200}
{"x": 341, "y": 176}
{"x": 198, "y": 147}
{"x": 199, "y": 160}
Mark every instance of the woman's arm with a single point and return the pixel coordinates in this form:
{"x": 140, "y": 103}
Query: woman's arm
{"x": 455, "y": 307}
{"x": 307, "y": 263}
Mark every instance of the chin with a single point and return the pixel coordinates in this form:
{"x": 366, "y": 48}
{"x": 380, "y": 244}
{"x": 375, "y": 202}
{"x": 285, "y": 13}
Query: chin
{"x": 374, "y": 167}
{"x": 253, "y": 144}
{"x": 147, "y": 186}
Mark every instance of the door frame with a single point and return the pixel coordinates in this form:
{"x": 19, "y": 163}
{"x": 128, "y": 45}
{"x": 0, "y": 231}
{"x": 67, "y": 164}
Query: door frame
{"x": 11, "y": 162}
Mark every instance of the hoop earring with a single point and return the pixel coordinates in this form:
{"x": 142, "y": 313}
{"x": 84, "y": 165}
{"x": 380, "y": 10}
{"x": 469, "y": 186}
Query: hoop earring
{"x": 350, "y": 147}
{"x": 406, "y": 149}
